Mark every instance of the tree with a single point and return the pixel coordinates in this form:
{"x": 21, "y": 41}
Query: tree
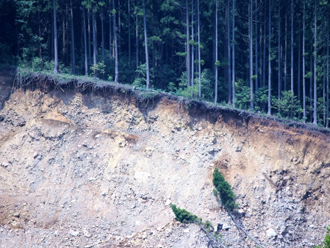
{"x": 279, "y": 59}
{"x": 269, "y": 58}
{"x": 199, "y": 53}
{"x": 315, "y": 69}
{"x": 94, "y": 43}
{"x": 229, "y": 54}
{"x": 327, "y": 74}
{"x": 192, "y": 47}
{"x": 115, "y": 41}
{"x": 183, "y": 215}
{"x": 233, "y": 52}
{"x": 55, "y": 39}
{"x": 224, "y": 189}
{"x": 102, "y": 33}
{"x": 187, "y": 45}
{"x": 251, "y": 53}
{"x": 73, "y": 59}
{"x": 291, "y": 66}
{"x": 85, "y": 41}
{"x": 146, "y": 46}
{"x": 304, "y": 62}
{"x": 216, "y": 54}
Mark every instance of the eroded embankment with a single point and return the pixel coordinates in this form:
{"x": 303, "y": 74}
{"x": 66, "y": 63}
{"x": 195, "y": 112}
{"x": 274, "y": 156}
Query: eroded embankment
{"x": 97, "y": 166}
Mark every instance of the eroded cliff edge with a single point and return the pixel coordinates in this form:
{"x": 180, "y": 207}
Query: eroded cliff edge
{"x": 97, "y": 166}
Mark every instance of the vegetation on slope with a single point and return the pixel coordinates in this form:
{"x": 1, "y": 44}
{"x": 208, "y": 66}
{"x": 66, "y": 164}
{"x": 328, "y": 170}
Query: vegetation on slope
{"x": 207, "y": 50}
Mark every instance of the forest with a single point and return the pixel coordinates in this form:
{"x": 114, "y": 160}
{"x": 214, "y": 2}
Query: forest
{"x": 266, "y": 56}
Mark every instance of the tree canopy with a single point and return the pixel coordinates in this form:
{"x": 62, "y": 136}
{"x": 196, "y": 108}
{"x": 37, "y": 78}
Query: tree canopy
{"x": 270, "y": 56}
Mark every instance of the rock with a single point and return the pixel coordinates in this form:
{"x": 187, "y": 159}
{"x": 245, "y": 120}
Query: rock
{"x": 226, "y": 226}
{"x": 4, "y": 165}
{"x": 87, "y": 234}
{"x": 149, "y": 151}
{"x": 74, "y": 233}
{"x": 15, "y": 224}
{"x": 239, "y": 148}
{"x": 219, "y": 227}
{"x": 16, "y": 214}
{"x": 271, "y": 233}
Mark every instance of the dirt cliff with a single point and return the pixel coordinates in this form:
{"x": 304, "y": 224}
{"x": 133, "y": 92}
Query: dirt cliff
{"x": 85, "y": 165}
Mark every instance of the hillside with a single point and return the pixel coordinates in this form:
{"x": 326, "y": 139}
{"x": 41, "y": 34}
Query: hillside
{"x": 86, "y": 165}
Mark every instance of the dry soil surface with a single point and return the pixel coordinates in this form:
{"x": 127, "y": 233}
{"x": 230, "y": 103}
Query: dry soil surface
{"x": 85, "y": 169}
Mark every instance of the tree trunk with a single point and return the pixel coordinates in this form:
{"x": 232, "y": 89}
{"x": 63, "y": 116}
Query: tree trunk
{"x": 192, "y": 47}
{"x": 146, "y": 46}
{"x": 264, "y": 56}
{"x": 55, "y": 40}
{"x": 94, "y": 44}
{"x": 129, "y": 32}
{"x": 199, "y": 54}
{"x": 291, "y": 46}
{"x": 279, "y": 60}
{"x": 303, "y": 64}
{"x": 269, "y": 58}
{"x": 64, "y": 38}
{"x": 229, "y": 54}
{"x": 327, "y": 75}
{"x": 102, "y": 34}
{"x": 187, "y": 46}
{"x": 299, "y": 64}
{"x": 73, "y": 58}
{"x": 311, "y": 87}
{"x": 85, "y": 42}
{"x": 39, "y": 32}
{"x": 256, "y": 83}
{"x": 323, "y": 93}
{"x": 315, "y": 71}
{"x": 137, "y": 42}
{"x": 89, "y": 37}
{"x": 233, "y": 54}
{"x": 251, "y": 54}
{"x": 110, "y": 32}
{"x": 285, "y": 52}
{"x": 115, "y": 41}
{"x": 216, "y": 54}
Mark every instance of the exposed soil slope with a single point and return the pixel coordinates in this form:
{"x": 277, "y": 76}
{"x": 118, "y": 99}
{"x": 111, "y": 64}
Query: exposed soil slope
{"x": 86, "y": 166}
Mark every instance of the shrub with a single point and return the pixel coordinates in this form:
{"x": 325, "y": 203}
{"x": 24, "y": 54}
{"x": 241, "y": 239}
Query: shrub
{"x": 327, "y": 238}
{"x": 224, "y": 189}
{"x": 183, "y": 215}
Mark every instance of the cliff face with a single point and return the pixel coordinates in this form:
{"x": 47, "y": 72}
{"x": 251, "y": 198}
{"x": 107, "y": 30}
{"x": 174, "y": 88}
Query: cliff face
{"x": 99, "y": 167}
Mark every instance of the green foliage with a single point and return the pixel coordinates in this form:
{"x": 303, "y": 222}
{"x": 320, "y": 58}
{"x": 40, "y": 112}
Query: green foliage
{"x": 99, "y": 68}
{"x": 208, "y": 226}
{"x": 140, "y": 80}
{"x": 207, "y": 85}
{"x": 207, "y": 81}
{"x": 37, "y": 64}
{"x": 183, "y": 215}
{"x": 288, "y": 105}
{"x": 326, "y": 241}
{"x": 261, "y": 98}
{"x": 184, "y": 90}
{"x": 243, "y": 97}
{"x": 327, "y": 238}
{"x": 224, "y": 189}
